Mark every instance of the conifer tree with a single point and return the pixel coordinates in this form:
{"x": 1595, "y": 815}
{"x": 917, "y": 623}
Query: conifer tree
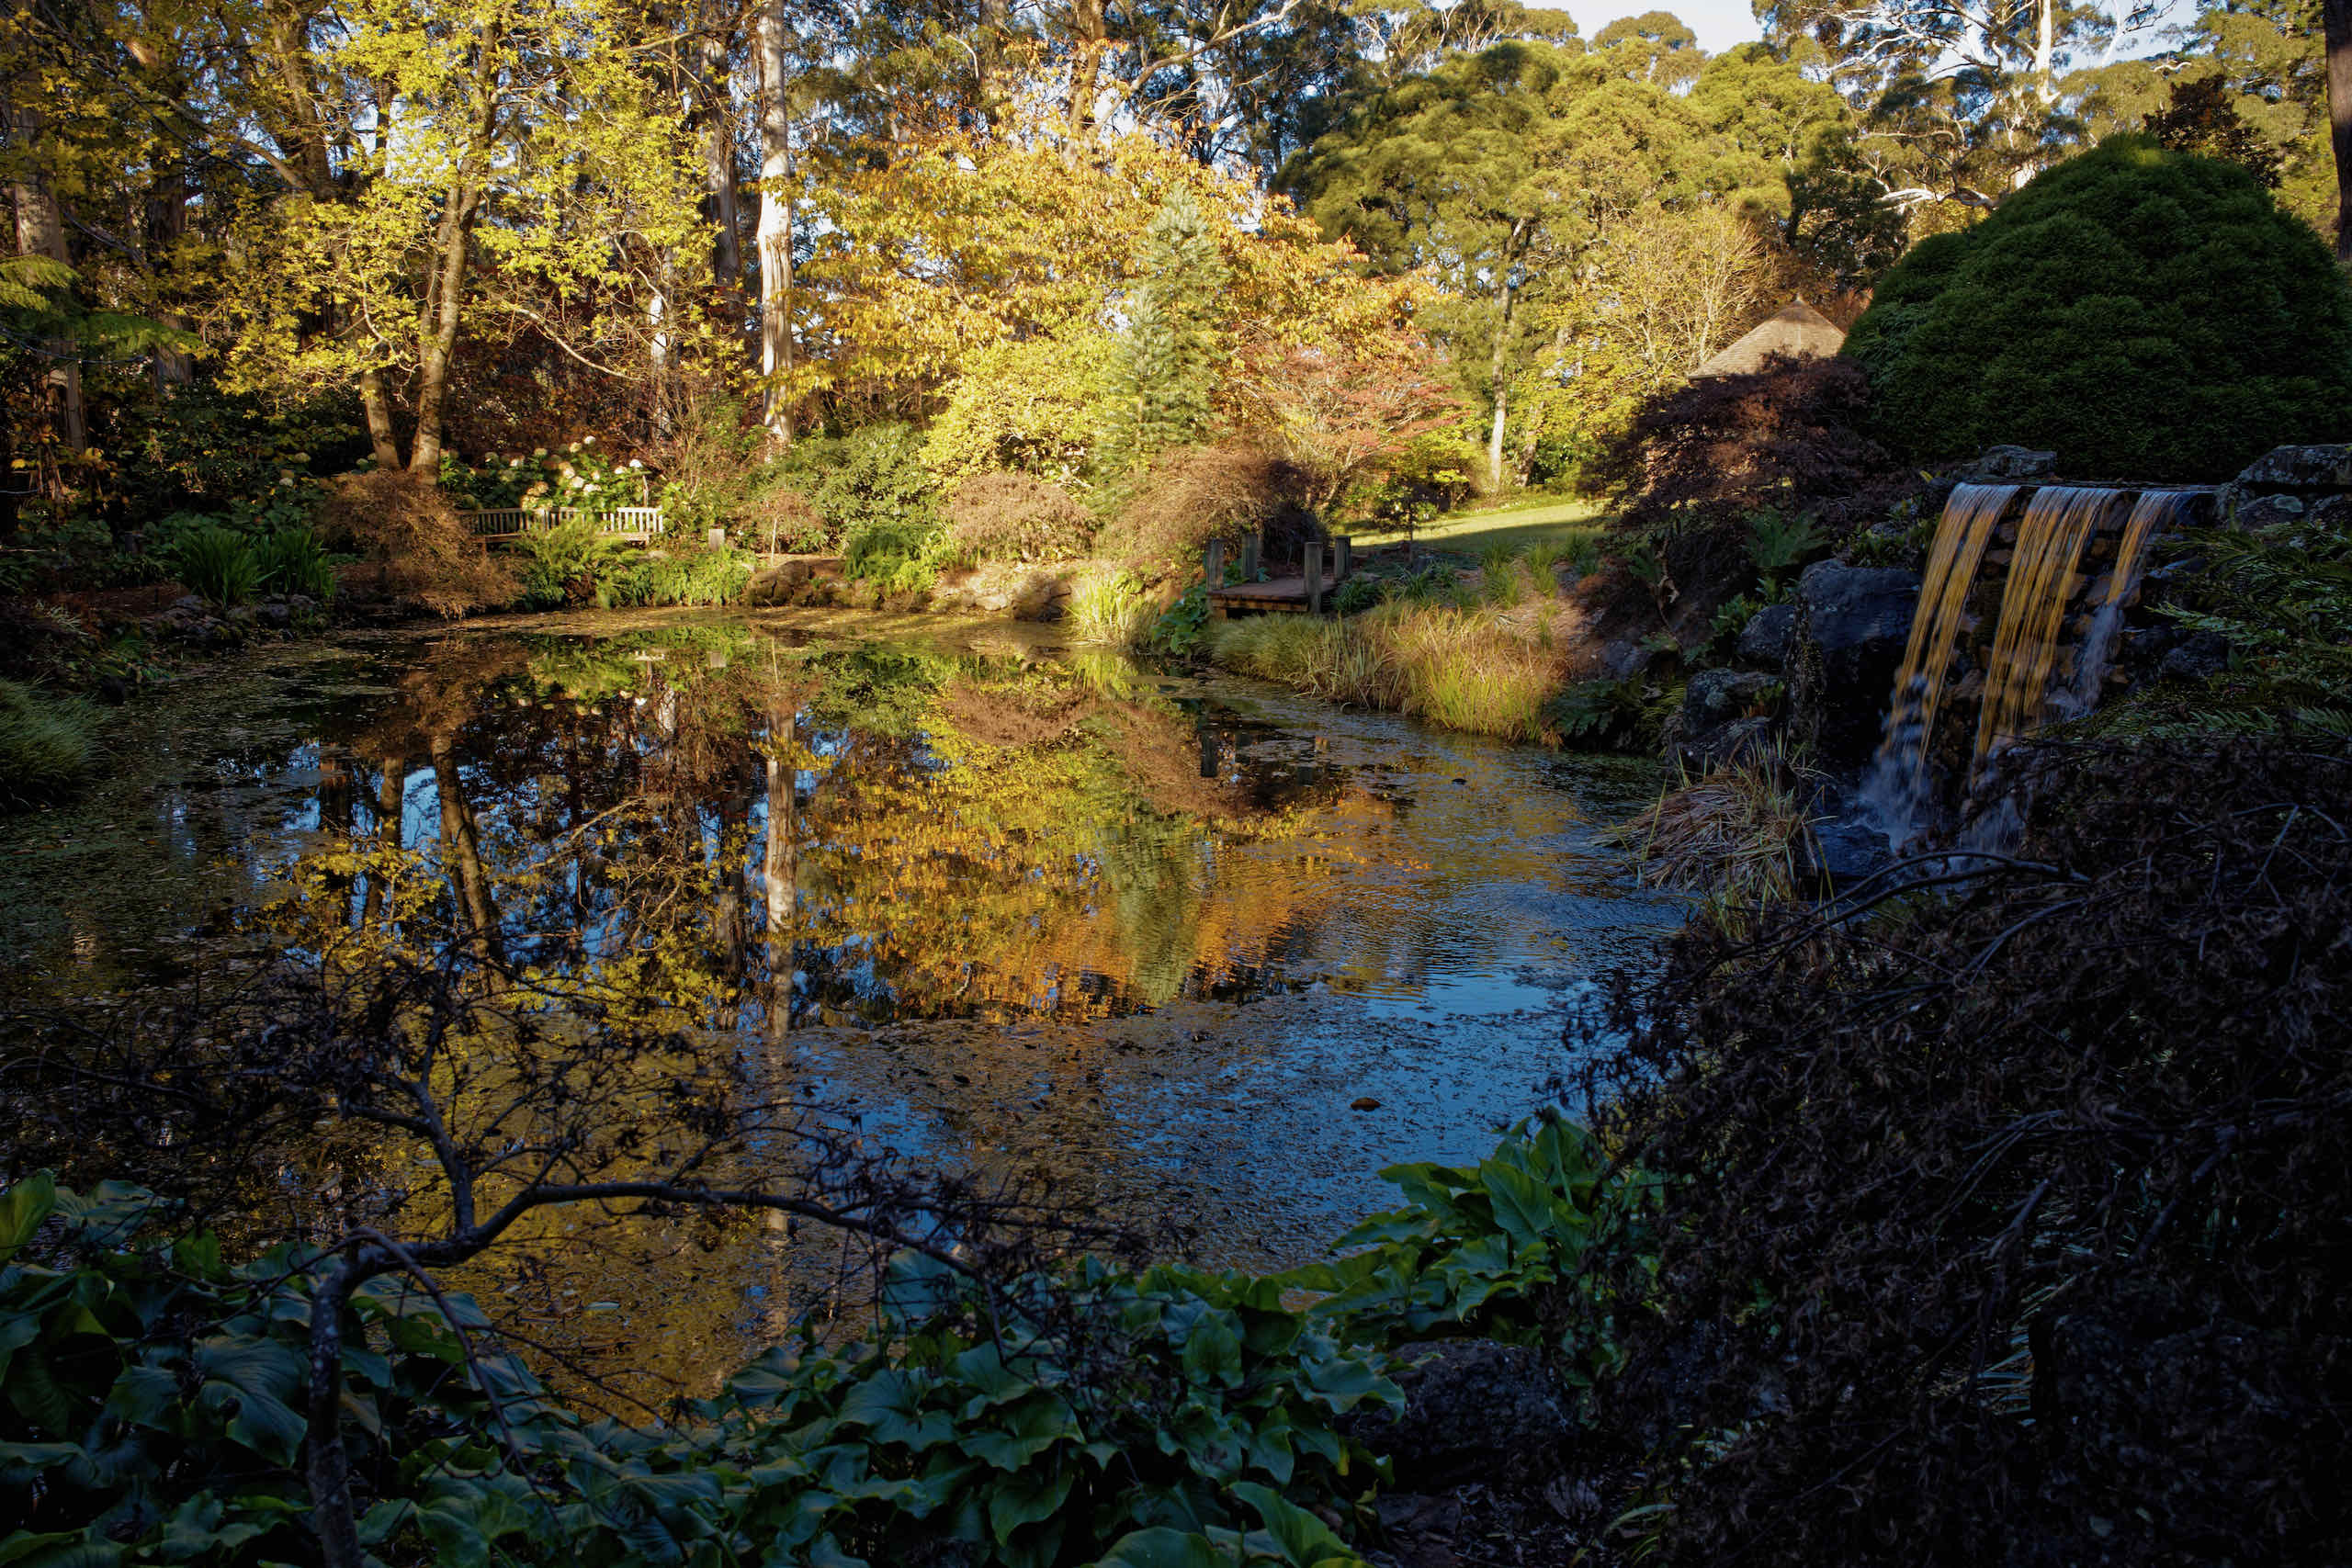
{"x": 1168, "y": 356}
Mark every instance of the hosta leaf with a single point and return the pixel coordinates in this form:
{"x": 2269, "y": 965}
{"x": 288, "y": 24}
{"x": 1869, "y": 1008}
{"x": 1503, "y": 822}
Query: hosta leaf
{"x": 1164, "y": 1548}
{"x": 23, "y": 1207}
{"x": 1305, "y": 1538}
{"x": 1024, "y": 1497}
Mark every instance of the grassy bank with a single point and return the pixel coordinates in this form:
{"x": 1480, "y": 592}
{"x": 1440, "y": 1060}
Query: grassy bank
{"x": 1451, "y": 666}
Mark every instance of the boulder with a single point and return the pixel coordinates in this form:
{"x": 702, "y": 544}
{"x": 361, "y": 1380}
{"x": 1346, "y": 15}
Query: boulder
{"x": 1764, "y": 641}
{"x": 1842, "y": 851}
{"x": 2301, "y": 468}
{"x": 779, "y": 584}
{"x": 2259, "y": 513}
{"x": 1851, "y": 624}
{"x": 1621, "y": 658}
{"x": 1726, "y": 716}
{"x": 2200, "y": 656}
{"x": 2011, "y": 463}
{"x": 1466, "y": 1403}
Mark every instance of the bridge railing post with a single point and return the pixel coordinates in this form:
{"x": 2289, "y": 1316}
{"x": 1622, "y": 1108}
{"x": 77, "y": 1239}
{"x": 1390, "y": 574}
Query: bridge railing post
{"x": 1314, "y": 576}
{"x": 1213, "y": 565}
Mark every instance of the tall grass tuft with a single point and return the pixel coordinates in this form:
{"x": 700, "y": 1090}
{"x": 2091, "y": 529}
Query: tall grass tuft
{"x": 218, "y": 564}
{"x": 291, "y": 560}
{"x": 1112, "y": 608}
{"x": 48, "y": 744}
{"x": 1450, "y": 666}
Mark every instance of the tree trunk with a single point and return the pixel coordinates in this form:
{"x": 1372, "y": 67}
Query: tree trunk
{"x": 378, "y": 404}
{"x": 775, "y": 237}
{"x": 2045, "y": 53}
{"x": 1086, "y": 71}
{"x": 444, "y": 305}
{"x": 162, "y": 216}
{"x": 461, "y": 847}
{"x": 445, "y": 295}
{"x": 41, "y": 232}
{"x": 1499, "y": 367}
{"x": 2335, "y": 17}
{"x": 326, "y": 1464}
{"x": 722, "y": 206}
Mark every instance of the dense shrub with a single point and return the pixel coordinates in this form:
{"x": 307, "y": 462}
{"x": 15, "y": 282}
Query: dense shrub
{"x": 2005, "y": 1216}
{"x": 873, "y": 477}
{"x": 565, "y": 562}
{"x": 780, "y": 517}
{"x": 1194, "y": 494}
{"x": 1009, "y": 517}
{"x": 1699, "y": 464}
{"x": 2143, "y": 313}
{"x": 418, "y": 543}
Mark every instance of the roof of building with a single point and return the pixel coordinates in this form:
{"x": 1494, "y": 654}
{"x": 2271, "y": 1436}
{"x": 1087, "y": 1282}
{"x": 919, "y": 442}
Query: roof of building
{"x": 1796, "y": 330}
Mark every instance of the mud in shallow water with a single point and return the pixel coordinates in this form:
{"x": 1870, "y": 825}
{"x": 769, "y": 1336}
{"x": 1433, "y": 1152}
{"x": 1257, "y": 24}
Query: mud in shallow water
{"x": 1030, "y": 910}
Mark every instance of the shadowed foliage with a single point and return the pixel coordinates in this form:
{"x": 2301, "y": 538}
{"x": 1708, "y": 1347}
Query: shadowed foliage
{"x": 2006, "y": 1214}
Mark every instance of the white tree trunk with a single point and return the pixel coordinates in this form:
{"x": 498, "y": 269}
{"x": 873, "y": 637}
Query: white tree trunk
{"x": 775, "y": 236}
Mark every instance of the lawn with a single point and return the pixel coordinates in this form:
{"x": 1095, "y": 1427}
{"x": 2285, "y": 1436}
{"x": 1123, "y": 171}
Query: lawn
{"x": 1470, "y": 533}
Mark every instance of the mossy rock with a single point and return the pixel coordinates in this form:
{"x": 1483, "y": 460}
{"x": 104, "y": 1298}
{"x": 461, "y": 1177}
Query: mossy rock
{"x": 2147, "y": 314}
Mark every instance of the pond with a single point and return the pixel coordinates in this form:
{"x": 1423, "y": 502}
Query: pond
{"x": 1197, "y": 951}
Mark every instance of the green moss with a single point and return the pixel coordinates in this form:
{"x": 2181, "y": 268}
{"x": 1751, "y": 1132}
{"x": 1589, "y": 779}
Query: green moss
{"x": 48, "y": 744}
{"x": 2143, "y": 313}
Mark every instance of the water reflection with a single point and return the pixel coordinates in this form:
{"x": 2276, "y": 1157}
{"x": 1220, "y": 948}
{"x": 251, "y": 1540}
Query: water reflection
{"x": 1028, "y": 910}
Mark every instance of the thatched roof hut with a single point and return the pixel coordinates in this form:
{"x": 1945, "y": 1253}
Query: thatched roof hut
{"x": 1796, "y": 330}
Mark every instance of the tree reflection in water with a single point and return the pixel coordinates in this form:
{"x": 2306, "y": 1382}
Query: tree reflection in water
{"x": 923, "y": 879}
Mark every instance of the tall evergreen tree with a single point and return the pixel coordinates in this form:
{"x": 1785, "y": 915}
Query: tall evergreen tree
{"x": 1169, "y": 354}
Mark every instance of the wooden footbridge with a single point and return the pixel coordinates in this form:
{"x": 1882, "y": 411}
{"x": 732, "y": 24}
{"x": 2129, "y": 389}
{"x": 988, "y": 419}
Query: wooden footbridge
{"x": 1322, "y": 567}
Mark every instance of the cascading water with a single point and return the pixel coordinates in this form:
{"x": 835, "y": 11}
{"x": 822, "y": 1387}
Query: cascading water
{"x": 2059, "y": 520}
{"x": 2156, "y": 510}
{"x": 1897, "y": 784}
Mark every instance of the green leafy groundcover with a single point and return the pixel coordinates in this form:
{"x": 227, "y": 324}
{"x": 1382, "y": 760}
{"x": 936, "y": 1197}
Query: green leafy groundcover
{"x": 155, "y": 1396}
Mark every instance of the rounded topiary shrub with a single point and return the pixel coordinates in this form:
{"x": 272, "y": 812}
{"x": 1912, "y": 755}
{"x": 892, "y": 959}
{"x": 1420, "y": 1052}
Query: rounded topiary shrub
{"x": 2146, "y": 314}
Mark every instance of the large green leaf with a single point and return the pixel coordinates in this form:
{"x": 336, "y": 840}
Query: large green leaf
{"x": 1522, "y": 1204}
{"x": 1024, "y": 1497}
{"x": 1305, "y": 1540}
{"x": 1164, "y": 1548}
{"x": 254, "y": 1382}
{"x": 22, "y": 1209}
{"x": 1213, "y": 1351}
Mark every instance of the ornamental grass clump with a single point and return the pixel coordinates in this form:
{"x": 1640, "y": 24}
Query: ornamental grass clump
{"x": 48, "y": 744}
{"x": 1453, "y": 667}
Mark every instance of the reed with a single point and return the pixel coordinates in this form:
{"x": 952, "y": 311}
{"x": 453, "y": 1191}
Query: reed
{"x": 1450, "y": 666}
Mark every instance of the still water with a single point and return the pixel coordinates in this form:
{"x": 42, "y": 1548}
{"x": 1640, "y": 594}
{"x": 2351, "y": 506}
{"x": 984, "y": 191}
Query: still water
{"x": 1194, "y": 950}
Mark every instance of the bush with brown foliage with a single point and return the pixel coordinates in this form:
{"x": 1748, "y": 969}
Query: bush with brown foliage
{"x": 421, "y": 546}
{"x": 1194, "y": 494}
{"x": 1002, "y": 515}
{"x": 2006, "y": 1212}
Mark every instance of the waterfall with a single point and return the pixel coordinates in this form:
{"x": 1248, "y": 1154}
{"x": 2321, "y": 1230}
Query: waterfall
{"x": 2155, "y": 510}
{"x": 1897, "y": 782}
{"x": 2059, "y": 520}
